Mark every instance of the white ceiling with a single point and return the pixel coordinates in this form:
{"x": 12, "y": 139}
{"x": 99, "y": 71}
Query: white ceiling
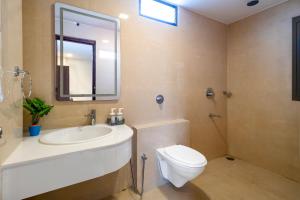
{"x": 226, "y": 11}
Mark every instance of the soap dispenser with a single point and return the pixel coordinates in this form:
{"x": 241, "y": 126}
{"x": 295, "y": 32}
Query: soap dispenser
{"x": 112, "y": 117}
{"x": 120, "y": 118}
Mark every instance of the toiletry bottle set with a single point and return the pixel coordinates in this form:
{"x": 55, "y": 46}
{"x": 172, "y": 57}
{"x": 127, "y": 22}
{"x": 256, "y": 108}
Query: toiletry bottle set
{"x": 116, "y": 118}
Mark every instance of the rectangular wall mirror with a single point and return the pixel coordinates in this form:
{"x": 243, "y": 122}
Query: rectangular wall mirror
{"x": 296, "y": 58}
{"x": 87, "y": 55}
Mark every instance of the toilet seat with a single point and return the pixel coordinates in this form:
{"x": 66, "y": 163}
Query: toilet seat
{"x": 185, "y": 156}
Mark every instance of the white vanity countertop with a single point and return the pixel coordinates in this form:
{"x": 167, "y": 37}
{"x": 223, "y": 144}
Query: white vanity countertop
{"x": 31, "y": 150}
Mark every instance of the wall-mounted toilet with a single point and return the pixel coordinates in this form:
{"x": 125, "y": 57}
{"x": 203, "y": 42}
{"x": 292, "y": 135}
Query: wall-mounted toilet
{"x": 180, "y": 164}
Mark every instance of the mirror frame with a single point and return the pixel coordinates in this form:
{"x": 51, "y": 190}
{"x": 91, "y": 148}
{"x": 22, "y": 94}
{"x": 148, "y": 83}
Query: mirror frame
{"x": 58, "y": 9}
{"x": 296, "y": 58}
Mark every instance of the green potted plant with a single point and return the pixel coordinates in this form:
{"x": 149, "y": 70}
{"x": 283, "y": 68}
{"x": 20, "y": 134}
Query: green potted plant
{"x": 37, "y": 109}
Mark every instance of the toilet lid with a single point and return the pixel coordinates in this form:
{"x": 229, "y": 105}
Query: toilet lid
{"x": 186, "y": 155}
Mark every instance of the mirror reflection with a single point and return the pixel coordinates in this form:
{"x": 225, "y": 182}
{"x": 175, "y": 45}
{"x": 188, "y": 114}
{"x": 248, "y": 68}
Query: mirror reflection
{"x": 87, "y": 52}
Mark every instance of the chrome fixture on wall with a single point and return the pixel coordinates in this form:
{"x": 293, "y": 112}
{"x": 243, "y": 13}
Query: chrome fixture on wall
{"x": 227, "y": 93}
{"x": 212, "y": 115}
{"x": 135, "y": 187}
{"x": 210, "y": 93}
{"x": 23, "y": 74}
{"x": 17, "y": 72}
{"x": 92, "y": 117}
{"x": 144, "y": 158}
{"x": 2, "y": 139}
{"x": 160, "y": 99}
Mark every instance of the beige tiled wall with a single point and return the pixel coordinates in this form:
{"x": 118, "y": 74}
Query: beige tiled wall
{"x": 178, "y": 62}
{"x": 181, "y": 62}
{"x": 263, "y": 121}
{"x": 11, "y": 118}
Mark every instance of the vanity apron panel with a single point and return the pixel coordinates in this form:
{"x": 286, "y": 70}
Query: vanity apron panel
{"x": 23, "y": 181}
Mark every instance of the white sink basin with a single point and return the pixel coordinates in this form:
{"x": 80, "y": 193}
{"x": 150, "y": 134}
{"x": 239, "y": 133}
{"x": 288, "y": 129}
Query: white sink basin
{"x": 76, "y": 135}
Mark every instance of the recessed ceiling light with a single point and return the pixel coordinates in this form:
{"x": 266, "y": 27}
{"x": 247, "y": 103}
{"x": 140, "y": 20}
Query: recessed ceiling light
{"x": 105, "y": 41}
{"x": 252, "y": 2}
{"x": 123, "y": 16}
{"x": 69, "y": 55}
{"x": 76, "y": 23}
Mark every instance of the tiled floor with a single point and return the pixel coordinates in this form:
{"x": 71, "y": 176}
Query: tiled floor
{"x": 225, "y": 180}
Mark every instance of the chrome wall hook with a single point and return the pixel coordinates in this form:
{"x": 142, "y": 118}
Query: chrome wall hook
{"x": 210, "y": 93}
{"x": 227, "y": 93}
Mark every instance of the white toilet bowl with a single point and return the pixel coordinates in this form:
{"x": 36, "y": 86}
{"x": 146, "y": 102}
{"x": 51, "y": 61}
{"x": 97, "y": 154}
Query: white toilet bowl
{"x": 180, "y": 164}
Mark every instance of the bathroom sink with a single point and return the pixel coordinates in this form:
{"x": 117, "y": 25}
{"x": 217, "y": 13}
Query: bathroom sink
{"x": 50, "y": 161}
{"x": 76, "y": 135}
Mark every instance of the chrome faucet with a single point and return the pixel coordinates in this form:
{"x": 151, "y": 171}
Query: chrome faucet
{"x": 92, "y": 117}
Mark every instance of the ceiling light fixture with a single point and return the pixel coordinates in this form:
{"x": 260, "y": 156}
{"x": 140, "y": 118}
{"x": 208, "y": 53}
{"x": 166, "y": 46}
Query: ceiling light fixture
{"x": 252, "y": 3}
{"x": 123, "y": 16}
{"x": 69, "y": 55}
